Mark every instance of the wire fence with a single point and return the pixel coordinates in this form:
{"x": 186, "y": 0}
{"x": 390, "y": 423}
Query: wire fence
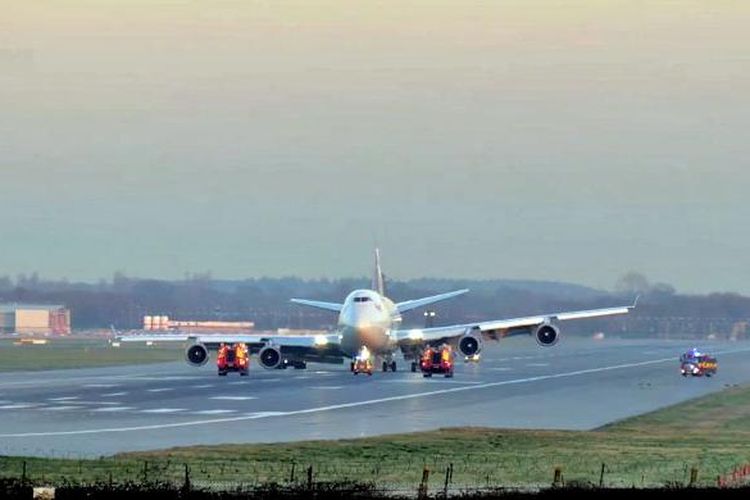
{"x": 451, "y": 476}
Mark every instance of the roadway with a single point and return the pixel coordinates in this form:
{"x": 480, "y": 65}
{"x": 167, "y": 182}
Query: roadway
{"x": 579, "y": 384}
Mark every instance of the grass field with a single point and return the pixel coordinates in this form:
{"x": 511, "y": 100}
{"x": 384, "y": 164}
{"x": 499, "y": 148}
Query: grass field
{"x": 79, "y": 353}
{"x": 656, "y": 449}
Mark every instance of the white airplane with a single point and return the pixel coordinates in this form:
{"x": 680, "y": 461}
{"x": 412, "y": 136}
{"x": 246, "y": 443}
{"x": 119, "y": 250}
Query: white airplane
{"x": 370, "y": 323}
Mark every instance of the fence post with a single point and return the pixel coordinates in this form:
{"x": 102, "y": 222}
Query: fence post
{"x": 23, "y": 473}
{"x": 601, "y": 476}
{"x": 291, "y": 476}
{"x": 145, "y": 471}
{"x": 447, "y": 481}
{"x": 186, "y": 485}
{"x": 422, "y": 491}
{"x": 309, "y": 478}
{"x": 558, "y": 479}
{"x": 693, "y": 476}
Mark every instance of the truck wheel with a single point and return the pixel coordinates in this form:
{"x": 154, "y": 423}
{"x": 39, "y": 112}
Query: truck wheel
{"x": 244, "y": 374}
{"x": 449, "y": 375}
{"x": 393, "y": 366}
{"x": 413, "y": 367}
{"x": 222, "y": 374}
{"x": 351, "y": 366}
{"x": 385, "y": 366}
{"x": 427, "y": 375}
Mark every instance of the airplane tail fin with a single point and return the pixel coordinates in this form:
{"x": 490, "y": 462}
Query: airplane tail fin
{"x": 378, "y": 279}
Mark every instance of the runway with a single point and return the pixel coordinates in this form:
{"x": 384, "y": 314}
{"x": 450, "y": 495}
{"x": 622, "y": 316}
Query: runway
{"x": 579, "y": 384}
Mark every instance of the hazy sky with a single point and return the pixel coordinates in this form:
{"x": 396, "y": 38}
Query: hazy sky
{"x": 540, "y": 139}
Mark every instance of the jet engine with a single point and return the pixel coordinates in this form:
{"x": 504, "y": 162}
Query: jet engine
{"x": 547, "y": 335}
{"x": 196, "y": 355}
{"x": 270, "y": 357}
{"x": 470, "y": 344}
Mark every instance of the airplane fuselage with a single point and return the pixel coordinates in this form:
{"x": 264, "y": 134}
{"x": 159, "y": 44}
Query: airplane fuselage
{"x": 366, "y": 320}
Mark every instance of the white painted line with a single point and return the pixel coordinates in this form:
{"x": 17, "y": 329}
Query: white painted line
{"x": 113, "y": 409}
{"x": 501, "y": 369}
{"x": 329, "y": 387}
{"x": 267, "y": 380}
{"x": 264, "y": 414}
{"x": 66, "y": 398}
{"x": 301, "y": 377}
{"x": 239, "y": 382}
{"x": 61, "y": 408}
{"x": 234, "y": 398}
{"x": 98, "y": 403}
{"x": 537, "y": 364}
{"x": 161, "y": 389}
{"x": 163, "y": 410}
{"x": 17, "y": 406}
{"x": 203, "y": 386}
{"x": 100, "y": 386}
{"x": 114, "y": 394}
{"x": 356, "y": 404}
{"x": 214, "y": 412}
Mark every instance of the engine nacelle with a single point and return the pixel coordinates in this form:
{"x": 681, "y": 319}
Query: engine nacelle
{"x": 470, "y": 344}
{"x": 547, "y": 335}
{"x": 270, "y": 357}
{"x": 196, "y": 355}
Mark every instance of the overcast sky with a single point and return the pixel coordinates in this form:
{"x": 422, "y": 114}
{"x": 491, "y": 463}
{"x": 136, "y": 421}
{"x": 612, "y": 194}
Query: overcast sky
{"x": 535, "y": 139}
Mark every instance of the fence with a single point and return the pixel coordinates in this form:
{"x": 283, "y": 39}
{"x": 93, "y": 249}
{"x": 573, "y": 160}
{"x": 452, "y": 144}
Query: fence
{"x": 451, "y": 475}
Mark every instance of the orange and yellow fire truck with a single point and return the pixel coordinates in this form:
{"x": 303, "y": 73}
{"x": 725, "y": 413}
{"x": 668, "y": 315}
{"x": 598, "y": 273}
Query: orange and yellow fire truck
{"x": 437, "y": 360}
{"x": 233, "y": 358}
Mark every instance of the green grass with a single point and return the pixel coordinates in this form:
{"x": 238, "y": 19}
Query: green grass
{"x": 80, "y": 353}
{"x": 655, "y": 449}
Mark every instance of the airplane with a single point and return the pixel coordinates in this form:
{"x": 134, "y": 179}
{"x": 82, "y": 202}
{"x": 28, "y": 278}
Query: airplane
{"x": 369, "y": 324}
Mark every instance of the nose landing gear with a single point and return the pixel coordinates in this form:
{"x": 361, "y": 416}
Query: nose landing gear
{"x": 389, "y": 365}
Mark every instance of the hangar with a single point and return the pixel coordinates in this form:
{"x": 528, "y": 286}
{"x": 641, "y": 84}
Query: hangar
{"x": 34, "y": 318}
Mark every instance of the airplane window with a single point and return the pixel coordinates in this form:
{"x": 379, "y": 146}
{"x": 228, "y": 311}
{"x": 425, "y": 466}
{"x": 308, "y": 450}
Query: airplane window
{"x": 361, "y": 299}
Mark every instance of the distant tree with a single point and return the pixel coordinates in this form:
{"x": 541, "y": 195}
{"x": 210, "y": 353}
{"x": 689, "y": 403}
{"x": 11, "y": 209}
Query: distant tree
{"x": 632, "y": 282}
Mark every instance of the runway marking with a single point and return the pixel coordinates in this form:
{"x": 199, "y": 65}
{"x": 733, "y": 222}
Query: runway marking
{"x": 114, "y": 394}
{"x": 163, "y": 410}
{"x": 203, "y": 386}
{"x": 100, "y": 403}
{"x": 161, "y": 389}
{"x": 239, "y": 382}
{"x": 301, "y": 377}
{"x": 60, "y": 408}
{"x": 356, "y": 404}
{"x": 65, "y": 398}
{"x": 263, "y": 414}
{"x": 234, "y": 398}
{"x": 537, "y": 364}
{"x": 100, "y": 386}
{"x": 501, "y": 369}
{"x": 329, "y": 387}
{"x": 110, "y": 409}
{"x": 214, "y": 412}
{"x": 268, "y": 380}
{"x": 17, "y": 406}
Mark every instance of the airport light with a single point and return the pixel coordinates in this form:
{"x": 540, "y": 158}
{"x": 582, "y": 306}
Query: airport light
{"x": 321, "y": 340}
{"x": 416, "y": 334}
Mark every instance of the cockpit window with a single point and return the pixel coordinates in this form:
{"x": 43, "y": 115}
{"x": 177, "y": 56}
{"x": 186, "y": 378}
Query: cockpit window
{"x": 362, "y": 299}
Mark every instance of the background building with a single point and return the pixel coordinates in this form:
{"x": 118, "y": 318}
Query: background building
{"x": 164, "y": 323}
{"x": 34, "y": 318}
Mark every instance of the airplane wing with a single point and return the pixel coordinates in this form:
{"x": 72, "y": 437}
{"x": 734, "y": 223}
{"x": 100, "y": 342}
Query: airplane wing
{"x": 416, "y": 303}
{"x": 324, "y": 348}
{"x": 502, "y": 327}
{"x": 328, "y": 306}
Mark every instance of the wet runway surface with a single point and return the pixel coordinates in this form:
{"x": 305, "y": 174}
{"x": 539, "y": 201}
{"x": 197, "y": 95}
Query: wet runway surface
{"x": 579, "y": 384}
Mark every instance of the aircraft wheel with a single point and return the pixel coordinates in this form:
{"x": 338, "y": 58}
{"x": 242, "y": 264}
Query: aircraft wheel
{"x": 427, "y": 375}
{"x": 385, "y": 366}
{"x": 393, "y": 366}
{"x": 413, "y": 367}
{"x": 351, "y": 366}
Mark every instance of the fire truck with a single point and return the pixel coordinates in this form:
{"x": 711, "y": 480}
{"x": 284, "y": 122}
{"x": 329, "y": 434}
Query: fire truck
{"x": 437, "y": 360}
{"x": 697, "y": 364}
{"x": 362, "y": 362}
{"x": 233, "y": 358}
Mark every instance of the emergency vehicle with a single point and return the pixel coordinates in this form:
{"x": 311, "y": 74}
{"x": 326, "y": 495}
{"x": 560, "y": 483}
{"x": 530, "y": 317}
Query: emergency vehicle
{"x": 362, "y": 362}
{"x": 233, "y": 358}
{"x": 437, "y": 360}
{"x": 697, "y": 364}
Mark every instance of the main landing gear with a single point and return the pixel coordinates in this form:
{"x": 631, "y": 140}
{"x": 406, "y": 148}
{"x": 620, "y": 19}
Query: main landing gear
{"x": 389, "y": 365}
